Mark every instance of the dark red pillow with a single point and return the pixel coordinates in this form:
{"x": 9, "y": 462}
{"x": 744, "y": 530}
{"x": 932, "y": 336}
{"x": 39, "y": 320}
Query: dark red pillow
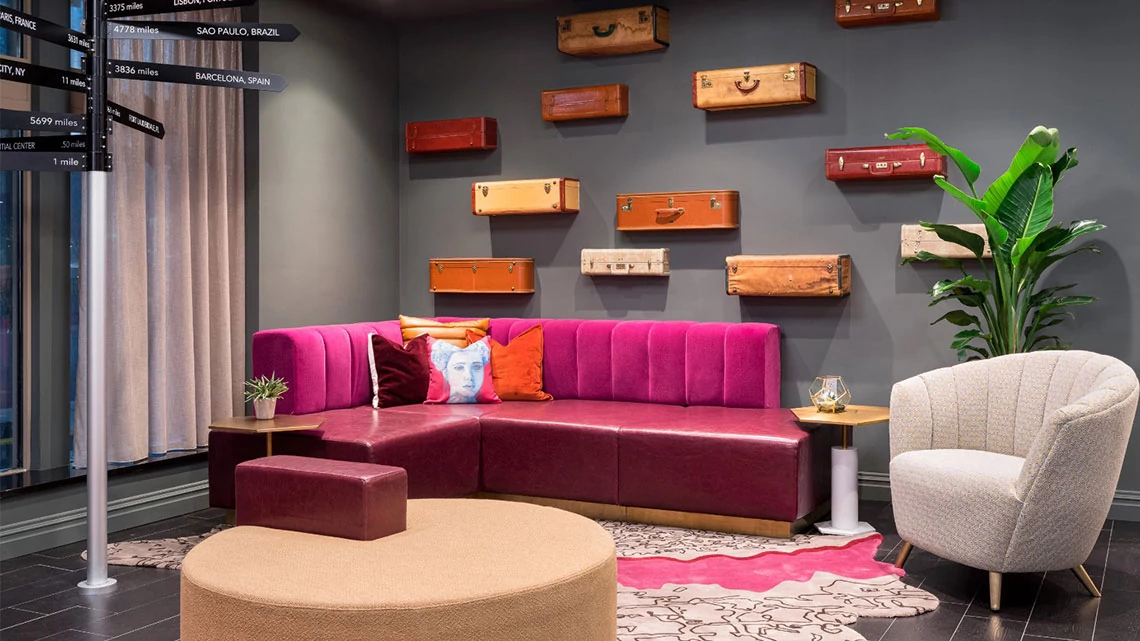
{"x": 400, "y": 373}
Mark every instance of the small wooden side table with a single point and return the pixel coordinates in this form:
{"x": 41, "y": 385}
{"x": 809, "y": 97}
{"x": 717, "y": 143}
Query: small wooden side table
{"x": 845, "y": 465}
{"x": 279, "y": 423}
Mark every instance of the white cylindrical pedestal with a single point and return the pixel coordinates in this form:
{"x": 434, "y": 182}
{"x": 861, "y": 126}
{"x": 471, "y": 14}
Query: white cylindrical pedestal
{"x": 844, "y": 494}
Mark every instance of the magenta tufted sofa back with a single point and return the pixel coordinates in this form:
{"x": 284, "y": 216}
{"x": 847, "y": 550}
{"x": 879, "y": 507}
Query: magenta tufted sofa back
{"x": 668, "y": 362}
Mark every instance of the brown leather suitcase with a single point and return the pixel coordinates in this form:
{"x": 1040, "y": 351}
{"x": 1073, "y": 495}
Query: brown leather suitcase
{"x": 854, "y": 13}
{"x": 793, "y": 276}
{"x": 482, "y": 275}
{"x": 533, "y": 196}
{"x": 790, "y": 83}
{"x": 451, "y": 135}
{"x": 891, "y": 162}
{"x": 678, "y": 210}
{"x": 916, "y": 238}
{"x": 614, "y": 32}
{"x": 580, "y": 103}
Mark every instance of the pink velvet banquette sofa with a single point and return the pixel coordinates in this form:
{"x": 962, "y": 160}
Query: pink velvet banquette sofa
{"x": 657, "y": 421}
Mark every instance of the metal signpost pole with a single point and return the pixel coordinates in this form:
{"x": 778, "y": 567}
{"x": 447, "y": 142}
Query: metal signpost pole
{"x": 95, "y": 252}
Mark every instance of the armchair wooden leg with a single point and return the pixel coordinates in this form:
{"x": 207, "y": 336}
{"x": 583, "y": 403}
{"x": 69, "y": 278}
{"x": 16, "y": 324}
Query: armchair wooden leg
{"x": 1086, "y": 581}
{"x": 904, "y": 553}
{"x": 995, "y": 591}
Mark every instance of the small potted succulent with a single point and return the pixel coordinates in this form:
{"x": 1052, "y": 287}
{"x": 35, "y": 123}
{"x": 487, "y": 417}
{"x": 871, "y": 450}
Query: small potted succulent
{"x": 264, "y": 392}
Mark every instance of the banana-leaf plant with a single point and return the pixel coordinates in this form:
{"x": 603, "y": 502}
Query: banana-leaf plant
{"x": 1006, "y": 312}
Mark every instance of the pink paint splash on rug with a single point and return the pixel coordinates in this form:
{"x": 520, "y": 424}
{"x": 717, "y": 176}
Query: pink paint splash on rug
{"x": 759, "y": 573}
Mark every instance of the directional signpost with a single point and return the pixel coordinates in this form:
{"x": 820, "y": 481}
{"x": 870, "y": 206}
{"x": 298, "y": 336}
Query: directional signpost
{"x": 89, "y": 153}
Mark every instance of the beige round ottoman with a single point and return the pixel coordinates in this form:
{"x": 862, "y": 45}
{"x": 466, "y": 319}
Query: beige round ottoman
{"x": 464, "y": 570}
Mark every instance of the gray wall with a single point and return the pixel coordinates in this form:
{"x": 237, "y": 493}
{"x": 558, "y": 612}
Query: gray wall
{"x": 981, "y": 78}
{"x": 326, "y": 229}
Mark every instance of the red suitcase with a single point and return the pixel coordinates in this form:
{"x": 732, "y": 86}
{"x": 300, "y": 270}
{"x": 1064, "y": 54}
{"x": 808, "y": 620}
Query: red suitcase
{"x": 865, "y": 13}
{"x": 451, "y": 135}
{"x": 894, "y": 162}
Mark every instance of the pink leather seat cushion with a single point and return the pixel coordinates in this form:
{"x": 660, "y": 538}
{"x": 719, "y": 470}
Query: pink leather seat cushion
{"x": 718, "y": 460}
{"x": 558, "y": 449}
{"x": 358, "y": 501}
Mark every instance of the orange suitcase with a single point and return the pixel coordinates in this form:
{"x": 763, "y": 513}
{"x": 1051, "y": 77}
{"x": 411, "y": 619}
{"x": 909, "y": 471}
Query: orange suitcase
{"x": 678, "y": 210}
{"x": 793, "y": 276}
{"x": 482, "y": 275}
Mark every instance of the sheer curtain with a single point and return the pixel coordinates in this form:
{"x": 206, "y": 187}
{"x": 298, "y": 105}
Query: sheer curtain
{"x": 176, "y": 248}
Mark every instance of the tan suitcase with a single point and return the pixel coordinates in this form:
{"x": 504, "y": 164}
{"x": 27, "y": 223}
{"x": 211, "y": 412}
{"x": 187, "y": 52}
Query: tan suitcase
{"x": 795, "y": 276}
{"x": 614, "y": 32}
{"x": 537, "y": 196}
{"x": 581, "y": 103}
{"x": 916, "y": 238}
{"x": 791, "y": 83}
{"x": 482, "y": 275}
{"x": 625, "y": 262}
{"x": 678, "y": 210}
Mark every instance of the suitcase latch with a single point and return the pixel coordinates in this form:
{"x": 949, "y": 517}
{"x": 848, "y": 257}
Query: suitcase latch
{"x": 619, "y": 268}
{"x": 670, "y": 202}
{"x": 841, "y": 162}
{"x": 439, "y": 267}
{"x": 566, "y": 25}
{"x": 474, "y": 269}
{"x": 546, "y": 187}
{"x": 628, "y": 206}
{"x": 922, "y": 159}
{"x": 790, "y": 76}
{"x": 847, "y": 7}
{"x": 485, "y": 190}
{"x": 511, "y": 269}
{"x": 705, "y": 82}
{"x": 642, "y": 16}
{"x": 713, "y": 202}
{"x": 830, "y": 267}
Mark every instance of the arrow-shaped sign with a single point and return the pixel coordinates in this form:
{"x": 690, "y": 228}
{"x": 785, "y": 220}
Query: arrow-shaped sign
{"x": 42, "y": 121}
{"x": 43, "y": 143}
{"x": 135, "y": 120}
{"x": 43, "y": 161}
{"x": 145, "y": 7}
{"x": 43, "y": 76}
{"x": 248, "y": 31}
{"x": 134, "y": 70}
{"x": 44, "y": 30}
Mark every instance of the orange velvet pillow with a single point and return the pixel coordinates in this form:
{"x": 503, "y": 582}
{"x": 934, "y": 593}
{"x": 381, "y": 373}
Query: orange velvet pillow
{"x": 516, "y": 368}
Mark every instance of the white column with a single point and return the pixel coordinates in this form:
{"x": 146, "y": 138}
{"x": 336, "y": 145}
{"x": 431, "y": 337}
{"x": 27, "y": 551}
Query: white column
{"x": 844, "y": 495}
{"x": 95, "y": 271}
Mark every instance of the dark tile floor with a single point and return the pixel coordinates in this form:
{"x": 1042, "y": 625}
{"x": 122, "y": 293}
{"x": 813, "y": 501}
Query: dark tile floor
{"x": 38, "y": 599}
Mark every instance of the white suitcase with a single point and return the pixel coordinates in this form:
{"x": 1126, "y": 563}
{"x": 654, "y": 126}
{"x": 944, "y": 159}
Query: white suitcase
{"x": 625, "y": 262}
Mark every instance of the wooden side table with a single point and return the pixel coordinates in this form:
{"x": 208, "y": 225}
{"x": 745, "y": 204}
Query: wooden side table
{"x": 279, "y": 423}
{"x": 845, "y": 465}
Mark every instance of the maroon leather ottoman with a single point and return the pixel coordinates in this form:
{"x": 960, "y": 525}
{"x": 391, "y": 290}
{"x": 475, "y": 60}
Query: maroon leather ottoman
{"x": 361, "y": 501}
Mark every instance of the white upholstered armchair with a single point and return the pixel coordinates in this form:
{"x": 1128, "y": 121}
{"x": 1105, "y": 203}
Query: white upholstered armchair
{"x": 1010, "y": 464}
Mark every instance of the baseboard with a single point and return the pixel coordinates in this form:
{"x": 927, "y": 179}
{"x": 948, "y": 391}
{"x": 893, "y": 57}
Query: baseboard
{"x": 34, "y": 535}
{"x": 876, "y": 486}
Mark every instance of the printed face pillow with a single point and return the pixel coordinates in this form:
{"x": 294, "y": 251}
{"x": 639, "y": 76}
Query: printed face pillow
{"x": 461, "y": 374}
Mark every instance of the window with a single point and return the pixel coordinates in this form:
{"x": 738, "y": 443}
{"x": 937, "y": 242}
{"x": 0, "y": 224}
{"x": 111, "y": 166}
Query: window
{"x": 11, "y": 209}
{"x": 11, "y": 43}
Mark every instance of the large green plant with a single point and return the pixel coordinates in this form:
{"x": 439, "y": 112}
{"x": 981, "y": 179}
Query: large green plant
{"x": 1009, "y": 314}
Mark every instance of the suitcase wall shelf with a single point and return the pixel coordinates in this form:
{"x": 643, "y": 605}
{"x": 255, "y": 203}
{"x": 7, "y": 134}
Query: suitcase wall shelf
{"x": 853, "y": 13}
{"x": 451, "y": 135}
{"x": 793, "y": 276}
{"x": 615, "y": 32}
{"x": 791, "y": 83}
{"x": 579, "y": 103}
{"x": 482, "y": 275}
{"x": 916, "y": 238}
{"x": 625, "y": 262}
{"x": 892, "y": 162}
{"x": 678, "y": 210}
{"x": 537, "y": 196}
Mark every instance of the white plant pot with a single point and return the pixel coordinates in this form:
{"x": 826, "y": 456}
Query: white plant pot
{"x": 265, "y": 408}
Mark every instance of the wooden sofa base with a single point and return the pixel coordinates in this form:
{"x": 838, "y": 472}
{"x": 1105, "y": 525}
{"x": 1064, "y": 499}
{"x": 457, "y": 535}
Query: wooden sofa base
{"x": 671, "y": 518}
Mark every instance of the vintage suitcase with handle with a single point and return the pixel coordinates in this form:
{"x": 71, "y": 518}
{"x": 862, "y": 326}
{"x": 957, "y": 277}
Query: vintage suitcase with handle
{"x": 791, "y": 83}
{"x": 916, "y": 238}
{"x": 854, "y": 13}
{"x": 678, "y": 210}
{"x": 580, "y": 103}
{"x": 794, "y": 276}
{"x": 625, "y": 262}
{"x": 536, "y": 196}
{"x": 891, "y": 162}
{"x": 482, "y": 275}
{"x": 614, "y": 32}
{"x": 458, "y": 134}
